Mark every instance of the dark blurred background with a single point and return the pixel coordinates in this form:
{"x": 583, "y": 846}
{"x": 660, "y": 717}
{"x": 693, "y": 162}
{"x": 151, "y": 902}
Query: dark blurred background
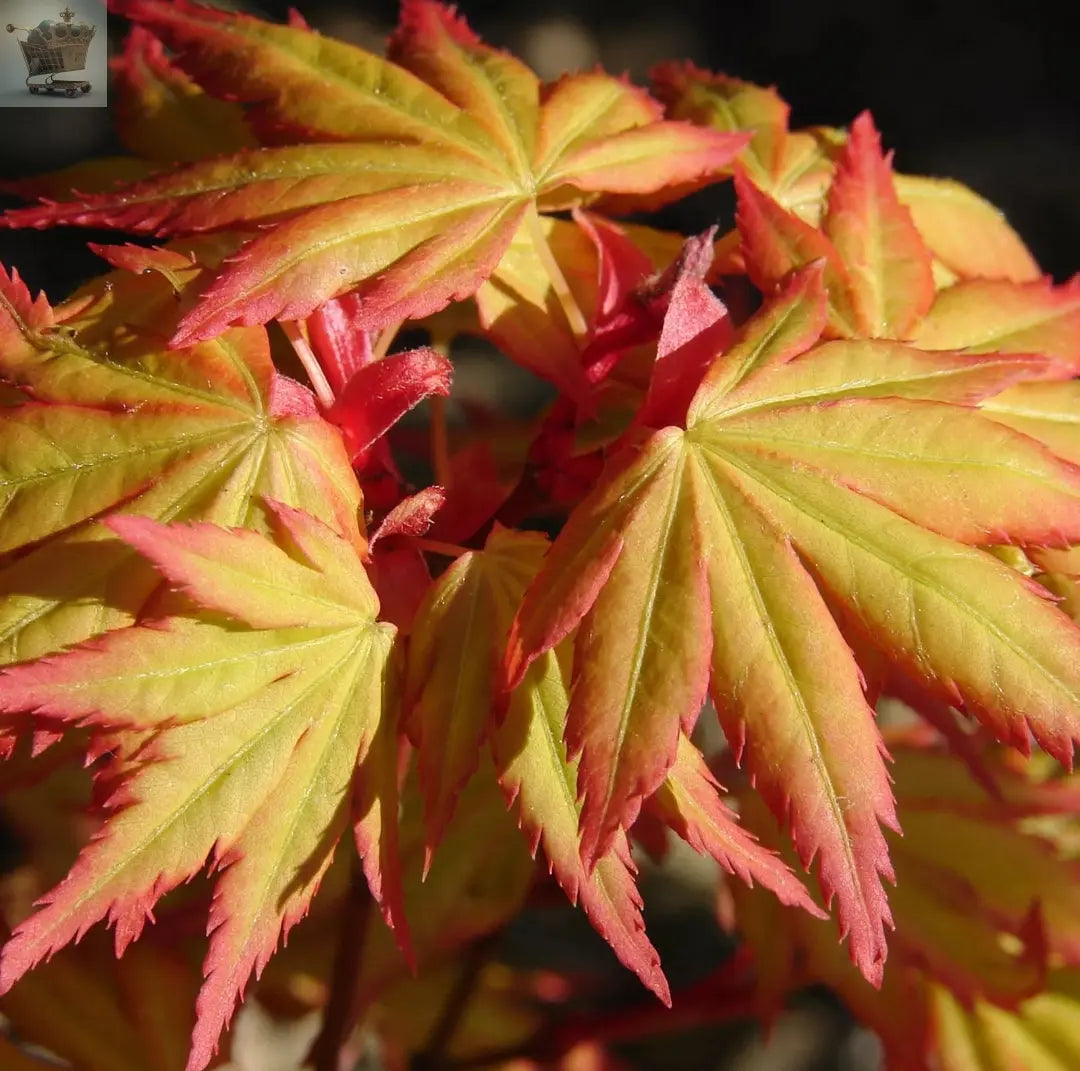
{"x": 985, "y": 92}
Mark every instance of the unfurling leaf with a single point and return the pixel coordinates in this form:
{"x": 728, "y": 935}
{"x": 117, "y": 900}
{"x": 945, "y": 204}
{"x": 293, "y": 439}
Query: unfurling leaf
{"x": 380, "y": 393}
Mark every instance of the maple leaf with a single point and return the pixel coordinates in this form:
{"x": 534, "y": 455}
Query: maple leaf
{"x": 793, "y": 167}
{"x": 983, "y": 316}
{"x": 878, "y": 270}
{"x": 967, "y": 235}
{"x": 536, "y": 774}
{"x": 129, "y": 1014}
{"x": 476, "y": 882}
{"x": 455, "y": 651}
{"x": 689, "y": 802}
{"x": 855, "y": 470}
{"x": 438, "y": 155}
{"x": 968, "y": 931}
{"x": 1041, "y": 1035}
{"x": 260, "y": 713}
{"x": 450, "y": 706}
{"x": 107, "y": 422}
{"x": 162, "y": 115}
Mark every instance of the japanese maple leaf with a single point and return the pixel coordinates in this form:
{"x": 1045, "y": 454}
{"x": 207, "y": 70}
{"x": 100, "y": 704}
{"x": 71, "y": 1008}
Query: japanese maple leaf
{"x": 406, "y": 177}
{"x": 989, "y": 315}
{"x": 703, "y": 559}
{"x": 793, "y": 167}
{"x": 967, "y": 929}
{"x": 108, "y": 421}
{"x": 877, "y": 268}
{"x": 453, "y": 710}
{"x": 261, "y": 709}
{"x": 162, "y": 115}
{"x": 968, "y": 236}
{"x": 129, "y": 1014}
{"x": 450, "y": 700}
{"x": 1040, "y": 1035}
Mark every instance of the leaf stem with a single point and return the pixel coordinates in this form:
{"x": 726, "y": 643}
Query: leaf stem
{"x": 343, "y": 1010}
{"x": 381, "y": 346}
{"x": 435, "y": 546}
{"x": 319, "y": 382}
{"x": 571, "y": 309}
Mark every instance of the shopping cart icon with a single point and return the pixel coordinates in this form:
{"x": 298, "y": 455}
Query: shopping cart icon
{"x": 51, "y": 48}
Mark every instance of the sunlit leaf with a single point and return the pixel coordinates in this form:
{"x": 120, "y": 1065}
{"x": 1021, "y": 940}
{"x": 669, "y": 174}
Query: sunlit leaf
{"x": 257, "y": 725}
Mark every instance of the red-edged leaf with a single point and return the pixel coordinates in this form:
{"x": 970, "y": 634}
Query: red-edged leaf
{"x": 535, "y": 773}
{"x": 984, "y": 316}
{"x": 954, "y": 473}
{"x": 730, "y": 104}
{"x": 689, "y": 802}
{"x": 108, "y": 422}
{"x": 785, "y": 684}
{"x": 427, "y": 180}
{"x": 351, "y": 93}
{"x": 255, "y": 730}
{"x": 763, "y": 514}
{"x": 634, "y": 687}
{"x": 790, "y": 324}
{"x": 381, "y": 393}
{"x": 1048, "y": 412}
{"x": 457, "y": 644}
{"x": 775, "y": 243}
{"x": 792, "y": 167}
{"x": 892, "y": 576}
{"x": 494, "y": 89}
{"x": 162, "y": 115}
{"x": 966, "y": 233}
{"x": 966, "y": 928}
{"x": 888, "y": 265}
{"x": 881, "y": 369}
{"x": 418, "y": 254}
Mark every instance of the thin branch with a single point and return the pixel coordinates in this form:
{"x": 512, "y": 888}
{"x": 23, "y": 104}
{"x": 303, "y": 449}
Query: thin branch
{"x": 343, "y": 1009}
{"x": 435, "y": 1055}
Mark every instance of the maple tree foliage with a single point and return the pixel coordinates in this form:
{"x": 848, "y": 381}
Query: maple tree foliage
{"x": 273, "y": 653}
